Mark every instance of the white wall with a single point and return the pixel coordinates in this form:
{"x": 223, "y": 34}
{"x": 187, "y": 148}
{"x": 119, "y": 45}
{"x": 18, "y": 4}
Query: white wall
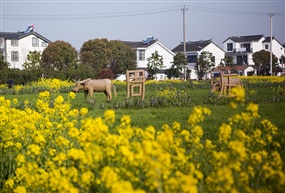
{"x": 166, "y": 54}
{"x": 23, "y": 48}
{"x": 216, "y": 51}
{"x": 163, "y": 51}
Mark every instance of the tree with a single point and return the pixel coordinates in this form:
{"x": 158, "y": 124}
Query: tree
{"x": 106, "y": 73}
{"x": 4, "y": 68}
{"x": 227, "y": 61}
{"x": 33, "y": 60}
{"x": 262, "y": 60}
{"x": 179, "y": 61}
{"x": 59, "y": 55}
{"x": 154, "y": 63}
{"x": 122, "y": 58}
{"x": 204, "y": 64}
{"x": 101, "y": 54}
{"x": 282, "y": 62}
{"x": 96, "y": 53}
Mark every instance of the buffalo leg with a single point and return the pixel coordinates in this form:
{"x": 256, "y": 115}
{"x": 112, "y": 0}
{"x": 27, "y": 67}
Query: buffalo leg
{"x": 108, "y": 96}
{"x": 85, "y": 94}
{"x": 90, "y": 94}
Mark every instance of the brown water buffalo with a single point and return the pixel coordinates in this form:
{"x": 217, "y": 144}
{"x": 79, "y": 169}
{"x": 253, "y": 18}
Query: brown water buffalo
{"x": 95, "y": 85}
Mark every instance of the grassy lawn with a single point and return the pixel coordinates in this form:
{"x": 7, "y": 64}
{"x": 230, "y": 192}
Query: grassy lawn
{"x": 269, "y": 107}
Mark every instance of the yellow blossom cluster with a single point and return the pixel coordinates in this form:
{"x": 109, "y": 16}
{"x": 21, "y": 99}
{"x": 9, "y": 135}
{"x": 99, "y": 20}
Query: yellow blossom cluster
{"x": 55, "y": 148}
{"x": 263, "y": 79}
{"x": 171, "y": 93}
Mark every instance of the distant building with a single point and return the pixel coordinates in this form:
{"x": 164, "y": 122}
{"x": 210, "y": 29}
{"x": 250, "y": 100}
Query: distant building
{"x": 241, "y": 48}
{"x": 144, "y": 49}
{"x": 194, "y": 49}
{"x": 15, "y": 46}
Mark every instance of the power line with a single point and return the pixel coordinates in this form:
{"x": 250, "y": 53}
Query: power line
{"x": 132, "y": 14}
{"x": 90, "y": 16}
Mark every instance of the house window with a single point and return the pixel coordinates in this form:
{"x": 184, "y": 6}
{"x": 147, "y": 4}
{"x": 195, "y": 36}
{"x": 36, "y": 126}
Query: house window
{"x": 44, "y": 44}
{"x": 192, "y": 58}
{"x": 35, "y": 42}
{"x": 14, "y": 42}
{"x": 141, "y": 55}
{"x": 1, "y": 41}
{"x": 242, "y": 60}
{"x": 229, "y": 46}
{"x": 14, "y": 56}
{"x": 266, "y": 47}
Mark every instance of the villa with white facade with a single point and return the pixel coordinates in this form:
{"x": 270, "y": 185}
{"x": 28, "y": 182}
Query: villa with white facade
{"x": 15, "y": 46}
{"x": 194, "y": 49}
{"x": 241, "y": 48}
{"x": 144, "y": 49}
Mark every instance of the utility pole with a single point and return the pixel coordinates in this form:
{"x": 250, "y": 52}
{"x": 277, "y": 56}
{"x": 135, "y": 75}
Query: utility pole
{"x": 184, "y": 9}
{"x": 271, "y": 15}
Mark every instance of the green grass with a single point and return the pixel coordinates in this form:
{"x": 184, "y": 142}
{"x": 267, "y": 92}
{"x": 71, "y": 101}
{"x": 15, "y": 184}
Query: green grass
{"x": 271, "y": 106}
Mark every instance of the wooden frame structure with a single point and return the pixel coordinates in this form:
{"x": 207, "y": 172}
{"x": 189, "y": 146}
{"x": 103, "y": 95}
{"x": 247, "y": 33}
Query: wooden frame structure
{"x": 135, "y": 82}
{"x": 226, "y": 83}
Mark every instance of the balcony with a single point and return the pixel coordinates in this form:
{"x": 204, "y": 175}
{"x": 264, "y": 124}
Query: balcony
{"x": 242, "y": 50}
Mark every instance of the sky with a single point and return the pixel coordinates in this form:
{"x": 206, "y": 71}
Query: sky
{"x": 77, "y": 21}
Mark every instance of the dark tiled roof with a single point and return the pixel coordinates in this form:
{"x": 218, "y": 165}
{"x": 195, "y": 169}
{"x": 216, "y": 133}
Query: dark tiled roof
{"x": 267, "y": 39}
{"x": 20, "y": 35}
{"x": 192, "y": 46}
{"x": 140, "y": 44}
{"x": 251, "y": 38}
{"x": 236, "y": 67}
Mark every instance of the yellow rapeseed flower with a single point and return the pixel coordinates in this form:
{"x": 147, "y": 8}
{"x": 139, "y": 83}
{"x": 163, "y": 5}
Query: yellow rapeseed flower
{"x": 109, "y": 116}
{"x": 34, "y": 149}
{"x": 20, "y": 158}
{"x": 20, "y": 189}
{"x": 62, "y": 141}
{"x": 238, "y": 93}
{"x": 15, "y": 101}
{"x": 73, "y": 132}
{"x": 71, "y": 95}
{"x": 83, "y": 111}
{"x": 9, "y": 183}
{"x": 225, "y": 132}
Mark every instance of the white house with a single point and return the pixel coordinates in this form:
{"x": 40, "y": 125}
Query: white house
{"x": 194, "y": 49}
{"x": 144, "y": 49}
{"x": 241, "y": 48}
{"x": 15, "y": 46}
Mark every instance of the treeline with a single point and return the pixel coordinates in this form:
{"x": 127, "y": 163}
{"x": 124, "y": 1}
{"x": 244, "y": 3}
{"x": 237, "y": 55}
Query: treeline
{"x": 98, "y": 58}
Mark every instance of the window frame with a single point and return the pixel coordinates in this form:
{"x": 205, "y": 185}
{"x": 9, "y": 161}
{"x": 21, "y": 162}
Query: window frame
{"x": 141, "y": 55}
{"x": 35, "y": 42}
{"x": 230, "y": 47}
{"x": 44, "y": 44}
{"x": 14, "y": 42}
{"x": 14, "y": 56}
{"x": 192, "y": 58}
{"x": 266, "y": 47}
